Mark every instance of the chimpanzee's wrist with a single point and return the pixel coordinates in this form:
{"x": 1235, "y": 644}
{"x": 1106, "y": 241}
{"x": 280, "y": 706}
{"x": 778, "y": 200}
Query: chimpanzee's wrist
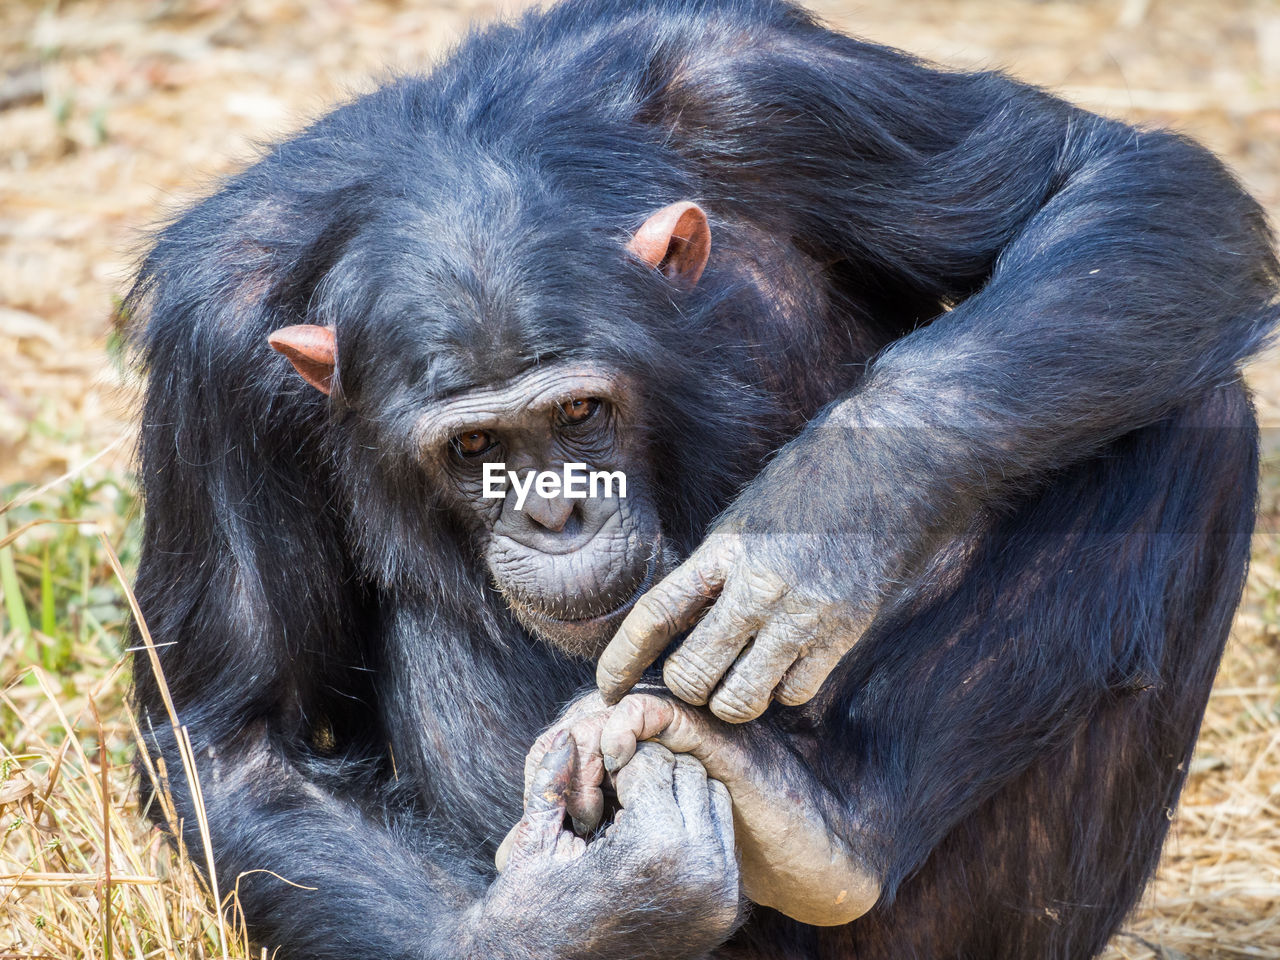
{"x": 490, "y": 930}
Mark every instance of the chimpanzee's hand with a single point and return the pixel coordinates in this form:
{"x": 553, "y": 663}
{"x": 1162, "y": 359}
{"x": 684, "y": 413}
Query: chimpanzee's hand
{"x": 560, "y": 896}
{"x": 772, "y": 621}
{"x": 792, "y": 857}
{"x": 583, "y": 720}
{"x": 584, "y": 797}
{"x": 790, "y": 577}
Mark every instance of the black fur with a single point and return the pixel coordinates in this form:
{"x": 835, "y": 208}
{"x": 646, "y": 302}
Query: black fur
{"x": 1040, "y": 311}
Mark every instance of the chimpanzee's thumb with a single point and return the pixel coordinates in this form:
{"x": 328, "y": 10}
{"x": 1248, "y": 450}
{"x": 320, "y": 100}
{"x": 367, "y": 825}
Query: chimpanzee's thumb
{"x": 544, "y": 805}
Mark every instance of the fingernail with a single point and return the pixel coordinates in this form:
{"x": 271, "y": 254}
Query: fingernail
{"x": 611, "y": 763}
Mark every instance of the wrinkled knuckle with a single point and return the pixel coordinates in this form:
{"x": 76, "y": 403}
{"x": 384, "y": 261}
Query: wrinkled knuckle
{"x": 631, "y": 708}
{"x": 686, "y": 725}
{"x": 807, "y": 609}
{"x": 735, "y": 706}
{"x": 707, "y": 580}
{"x": 541, "y": 817}
{"x": 621, "y": 652}
{"x": 689, "y": 677}
{"x": 737, "y": 617}
{"x": 607, "y": 676}
{"x": 791, "y": 632}
{"x": 765, "y": 585}
{"x": 748, "y": 687}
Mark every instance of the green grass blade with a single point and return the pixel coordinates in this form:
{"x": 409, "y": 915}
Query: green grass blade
{"x": 13, "y": 605}
{"x": 48, "y": 614}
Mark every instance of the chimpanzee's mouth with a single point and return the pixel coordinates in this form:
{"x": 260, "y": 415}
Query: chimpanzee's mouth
{"x": 647, "y": 581}
{"x": 586, "y": 635}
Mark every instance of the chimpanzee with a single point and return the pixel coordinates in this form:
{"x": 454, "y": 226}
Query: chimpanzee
{"x": 939, "y": 488}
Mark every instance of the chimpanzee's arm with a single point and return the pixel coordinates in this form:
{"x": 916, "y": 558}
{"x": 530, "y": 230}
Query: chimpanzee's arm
{"x": 315, "y": 875}
{"x": 241, "y": 581}
{"x": 1099, "y": 275}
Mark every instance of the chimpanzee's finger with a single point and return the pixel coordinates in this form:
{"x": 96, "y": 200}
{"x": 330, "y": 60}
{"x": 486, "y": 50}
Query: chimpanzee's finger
{"x": 645, "y": 791}
{"x": 637, "y": 717}
{"x": 569, "y": 847}
{"x": 540, "y": 827}
{"x": 672, "y": 605}
{"x": 502, "y": 856}
{"x": 534, "y": 757}
{"x": 748, "y": 686}
{"x": 803, "y": 681}
{"x": 720, "y": 812}
{"x": 553, "y": 777}
{"x": 696, "y": 666}
{"x": 689, "y": 782}
{"x": 585, "y": 801}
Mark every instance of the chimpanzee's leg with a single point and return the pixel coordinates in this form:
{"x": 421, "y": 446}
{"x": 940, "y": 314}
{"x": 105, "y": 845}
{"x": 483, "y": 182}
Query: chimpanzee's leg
{"x": 1152, "y": 538}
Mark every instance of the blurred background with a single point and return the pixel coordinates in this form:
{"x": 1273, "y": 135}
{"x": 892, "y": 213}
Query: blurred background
{"x": 115, "y": 113}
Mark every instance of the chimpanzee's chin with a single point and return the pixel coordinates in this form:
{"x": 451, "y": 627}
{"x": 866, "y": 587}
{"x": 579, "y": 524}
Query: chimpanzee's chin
{"x": 578, "y": 638}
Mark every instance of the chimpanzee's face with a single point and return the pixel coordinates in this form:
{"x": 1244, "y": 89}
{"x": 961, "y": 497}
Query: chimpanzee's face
{"x": 549, "y": 468}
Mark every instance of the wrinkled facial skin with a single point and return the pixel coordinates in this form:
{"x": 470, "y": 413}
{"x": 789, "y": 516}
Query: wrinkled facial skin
{"x": 569, "y": 568}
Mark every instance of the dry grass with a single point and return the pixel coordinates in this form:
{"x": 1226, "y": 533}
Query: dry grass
{"x": 81, "y": 873}
{"x": 112, "y": 111}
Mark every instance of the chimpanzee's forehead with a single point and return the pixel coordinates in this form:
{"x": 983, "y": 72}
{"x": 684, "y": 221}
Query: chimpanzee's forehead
{"x": 454, "y": 302}
{"x": 464, "y": 333}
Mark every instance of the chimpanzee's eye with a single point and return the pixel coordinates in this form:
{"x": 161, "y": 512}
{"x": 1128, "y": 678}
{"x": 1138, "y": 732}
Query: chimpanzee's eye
{"x": 579, "y": 409}
{"x": 472, "y": 443}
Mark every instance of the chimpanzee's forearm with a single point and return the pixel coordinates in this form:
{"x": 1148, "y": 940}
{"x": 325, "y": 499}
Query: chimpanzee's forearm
{"x": 1123, "y": 296}
{"x": 1063, "y": 648}
{"x": 1100, "y": 275}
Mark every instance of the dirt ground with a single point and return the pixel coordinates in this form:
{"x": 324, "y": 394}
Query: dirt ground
{"x": 115, "y": 112}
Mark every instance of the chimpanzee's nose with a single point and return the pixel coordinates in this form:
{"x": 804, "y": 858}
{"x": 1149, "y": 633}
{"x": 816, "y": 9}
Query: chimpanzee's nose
{"x": 550, "y": 512}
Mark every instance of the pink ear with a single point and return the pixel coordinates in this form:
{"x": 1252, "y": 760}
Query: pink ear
{"x": 677, "y": 241}
{"x": 311, "y": 349}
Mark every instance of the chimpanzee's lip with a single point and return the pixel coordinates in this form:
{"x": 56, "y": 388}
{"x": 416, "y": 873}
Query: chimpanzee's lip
{"x": 650, "y": 575}
{"x": 595, "y": 623}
